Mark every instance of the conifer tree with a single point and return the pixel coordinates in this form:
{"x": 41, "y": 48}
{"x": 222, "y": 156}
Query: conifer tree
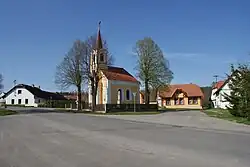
{"x": 239, "y": 98}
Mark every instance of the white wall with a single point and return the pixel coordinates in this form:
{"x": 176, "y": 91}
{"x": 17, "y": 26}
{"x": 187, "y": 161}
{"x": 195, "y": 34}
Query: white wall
{"x": 25, "y": 94}
{"x": 219, "y": 100}
{"x": 213, "y": 97}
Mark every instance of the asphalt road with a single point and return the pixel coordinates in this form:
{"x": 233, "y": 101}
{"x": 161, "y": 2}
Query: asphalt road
{"x": 77, "y": 140}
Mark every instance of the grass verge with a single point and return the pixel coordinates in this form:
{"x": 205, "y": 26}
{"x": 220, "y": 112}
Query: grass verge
{"x": 4, "y": 112}
{"x": 225, "y": 114}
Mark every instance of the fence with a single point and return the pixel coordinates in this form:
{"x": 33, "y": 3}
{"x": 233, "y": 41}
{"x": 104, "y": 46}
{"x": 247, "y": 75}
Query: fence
{"x": 131, "y": 107}
{"x": 62, "y": 104}
{"x": 100, "y": 107}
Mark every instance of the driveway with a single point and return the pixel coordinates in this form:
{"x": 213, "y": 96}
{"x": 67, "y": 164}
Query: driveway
{"x": 76, "y": 140}
{"x": 194, "y": 119}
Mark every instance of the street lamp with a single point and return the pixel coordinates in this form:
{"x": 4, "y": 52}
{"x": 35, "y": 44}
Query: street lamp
{"x": 134, "y": 94}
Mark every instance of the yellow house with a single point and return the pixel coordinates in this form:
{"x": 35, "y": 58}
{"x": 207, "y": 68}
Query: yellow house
{"x": 186, "y": 96}
{"x": 117, "y": 86}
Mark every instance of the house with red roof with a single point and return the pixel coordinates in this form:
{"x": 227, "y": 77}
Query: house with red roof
{"x": 218, "y": 99}
{"x": 117, "y": 86}
{"x": 220, "y": 90}
{"x": 187, "y": 96}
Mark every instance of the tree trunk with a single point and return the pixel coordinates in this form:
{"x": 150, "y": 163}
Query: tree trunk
{"x": 79, "y": 97}
{"x": 156, "y": 93}
{"x": 93, "y": 93}
{"x": 146, "y": 92}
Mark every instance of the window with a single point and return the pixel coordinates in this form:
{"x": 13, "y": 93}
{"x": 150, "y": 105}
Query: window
{"x": 181, "y": 101}
{"x": 127, "y": 94}
{"x": 19, "y": 101}
{"x": 176, "y": 101}
{"x": 101, "y": 57}
{"x": 190, "y": 101}
{"x": 168, "y": 102}
{"x": 19, "y": 92}
{"x": 26, "y": 101}
{"x": 12, "y": 101}
{"x": 119, "y": 96}
{"x": 195, "y": 100}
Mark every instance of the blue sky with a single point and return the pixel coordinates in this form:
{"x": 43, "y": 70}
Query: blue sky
{"x": 200, "y": 38}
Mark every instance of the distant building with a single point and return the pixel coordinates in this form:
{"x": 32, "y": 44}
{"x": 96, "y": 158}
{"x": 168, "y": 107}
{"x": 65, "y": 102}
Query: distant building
{"x": 29, "y": 96}
{"x": 73, "y": 96}
{"x": 152, "y": 97}
{"x": 187, "y": 96}
{"x": 220, "y": 90}
{"x": 217, "y": 98}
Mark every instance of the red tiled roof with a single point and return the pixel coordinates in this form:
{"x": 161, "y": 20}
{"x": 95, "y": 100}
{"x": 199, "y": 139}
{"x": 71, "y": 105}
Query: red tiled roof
{"x": 218, "y": 84}
{"x": 119, "y": 74}
{"x": 192, "y": 90}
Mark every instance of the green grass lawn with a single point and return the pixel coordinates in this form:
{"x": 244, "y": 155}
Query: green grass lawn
{"x": 225, "y": 114}
{"x": 4, "y": 112}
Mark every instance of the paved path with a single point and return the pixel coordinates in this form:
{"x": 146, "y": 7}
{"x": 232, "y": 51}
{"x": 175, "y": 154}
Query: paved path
{"x": 77, "y": 140}
{"x": 194, "y": 119}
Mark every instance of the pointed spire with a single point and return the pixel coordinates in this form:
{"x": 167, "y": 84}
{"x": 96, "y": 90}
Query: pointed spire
{"x": 99, "y": 38}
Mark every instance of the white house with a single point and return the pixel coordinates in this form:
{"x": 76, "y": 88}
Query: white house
{"x": 219, "y": 91}
{"x": 29, "y": 96}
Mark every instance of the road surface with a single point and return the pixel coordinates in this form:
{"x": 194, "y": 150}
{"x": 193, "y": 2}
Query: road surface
{"x": 77, "y": 140}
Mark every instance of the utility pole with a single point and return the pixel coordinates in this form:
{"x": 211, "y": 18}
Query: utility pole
{"x": 14, "y": 82}
{"x": 216, "y": 78}
{"x": 134, "y": 94}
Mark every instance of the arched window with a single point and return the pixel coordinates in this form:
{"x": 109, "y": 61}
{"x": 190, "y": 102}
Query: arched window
{"x": 119, "y": 96}
{"x": 127, "y": 94}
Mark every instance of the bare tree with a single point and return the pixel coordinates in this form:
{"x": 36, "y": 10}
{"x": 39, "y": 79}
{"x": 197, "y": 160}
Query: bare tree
{"x": 153, "y": 68}
{"x": 1, "y": 83}
{"x": 70, "y": 72}
{"x": 75, "y": 69}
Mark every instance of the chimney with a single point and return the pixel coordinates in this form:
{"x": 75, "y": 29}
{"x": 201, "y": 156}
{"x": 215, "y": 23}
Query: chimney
{"x": 33, "y": 85}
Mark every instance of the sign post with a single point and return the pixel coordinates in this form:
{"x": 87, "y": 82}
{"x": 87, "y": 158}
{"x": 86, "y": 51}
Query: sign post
{"x": 134, "y": 94}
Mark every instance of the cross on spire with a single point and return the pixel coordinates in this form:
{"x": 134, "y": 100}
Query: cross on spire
{"x": 99, "y": 38}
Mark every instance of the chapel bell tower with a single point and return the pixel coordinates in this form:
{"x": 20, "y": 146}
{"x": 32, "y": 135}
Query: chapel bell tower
{"x": 99, "y": 56}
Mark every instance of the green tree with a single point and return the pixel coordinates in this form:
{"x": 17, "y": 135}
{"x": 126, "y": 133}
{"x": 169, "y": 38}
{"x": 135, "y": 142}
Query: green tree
{"x": 239, "y": 97}
{"x": 152, "y": 66}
